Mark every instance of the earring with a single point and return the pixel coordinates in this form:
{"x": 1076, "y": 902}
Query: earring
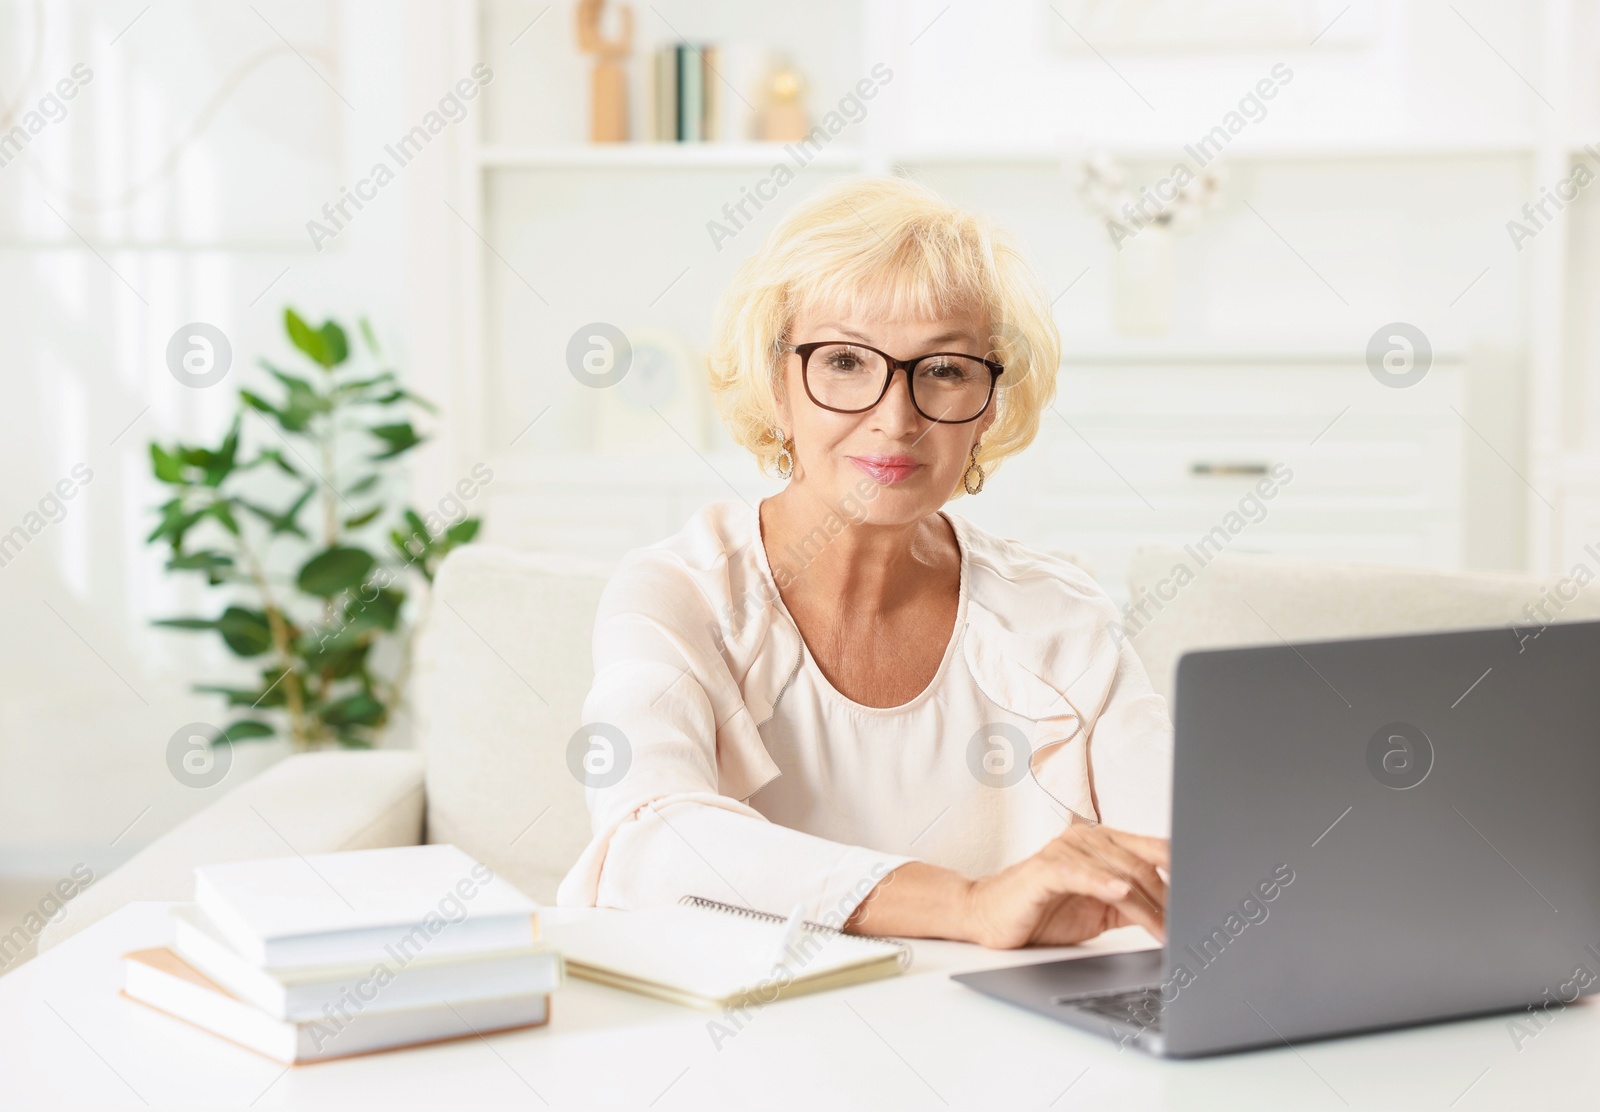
{"x": 785, "y": 459}
{"x": 966, "y": 476}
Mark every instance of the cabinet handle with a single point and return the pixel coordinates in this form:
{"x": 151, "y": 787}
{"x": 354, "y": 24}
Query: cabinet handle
{"x": 1203, "y": 467}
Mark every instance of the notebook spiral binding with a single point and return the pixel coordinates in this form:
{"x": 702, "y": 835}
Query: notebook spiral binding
{"x": 904, "y": 950}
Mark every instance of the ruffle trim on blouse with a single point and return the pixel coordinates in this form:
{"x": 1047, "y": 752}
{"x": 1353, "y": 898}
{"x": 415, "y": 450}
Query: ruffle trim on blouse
{"x": 1039, "y": 641}
{"x": 1041, "y": 644}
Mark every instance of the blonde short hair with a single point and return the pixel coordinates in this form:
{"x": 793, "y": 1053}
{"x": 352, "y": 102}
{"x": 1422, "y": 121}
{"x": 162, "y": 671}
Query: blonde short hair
{"x": 885, "y": 248}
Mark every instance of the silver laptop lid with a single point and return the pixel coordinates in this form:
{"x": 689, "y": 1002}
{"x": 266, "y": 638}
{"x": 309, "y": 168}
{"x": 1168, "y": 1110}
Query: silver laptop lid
{"x": 1376, "y": 832}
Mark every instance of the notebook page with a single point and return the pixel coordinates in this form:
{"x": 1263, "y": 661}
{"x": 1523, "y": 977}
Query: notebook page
{"x": 701, "y": 952}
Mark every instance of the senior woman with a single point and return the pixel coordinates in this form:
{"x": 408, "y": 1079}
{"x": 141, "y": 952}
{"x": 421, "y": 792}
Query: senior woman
{"x": 843, "y": 696}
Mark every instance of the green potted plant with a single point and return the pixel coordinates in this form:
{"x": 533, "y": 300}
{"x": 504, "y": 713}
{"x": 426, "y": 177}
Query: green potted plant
{"x": 317, "y": 607}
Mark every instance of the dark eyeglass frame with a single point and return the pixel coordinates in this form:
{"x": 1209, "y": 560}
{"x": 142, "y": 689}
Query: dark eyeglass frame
{"x": 908, "y": 365}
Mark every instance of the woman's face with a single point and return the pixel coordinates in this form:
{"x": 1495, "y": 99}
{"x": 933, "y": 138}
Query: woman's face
{"x": 892, "y": 460}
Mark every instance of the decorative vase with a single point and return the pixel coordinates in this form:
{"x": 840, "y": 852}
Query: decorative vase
{"x": 1143, "y": 297}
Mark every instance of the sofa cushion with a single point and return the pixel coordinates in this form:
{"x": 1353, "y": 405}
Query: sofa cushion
{"x": 503, "y": 663}
{"x": 1242, "y": 599}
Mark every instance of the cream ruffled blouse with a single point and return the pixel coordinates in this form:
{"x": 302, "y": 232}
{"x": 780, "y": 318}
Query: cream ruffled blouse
{"x": 737, "y": 772}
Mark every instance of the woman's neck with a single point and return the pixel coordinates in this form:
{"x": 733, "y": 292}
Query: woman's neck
{"x": 819, "y": 551}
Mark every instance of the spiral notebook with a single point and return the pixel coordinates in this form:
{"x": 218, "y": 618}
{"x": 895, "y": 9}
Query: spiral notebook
{"x": 714, "y": 955}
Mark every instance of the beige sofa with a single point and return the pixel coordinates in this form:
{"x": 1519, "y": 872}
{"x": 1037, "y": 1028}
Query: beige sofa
{"x": 503, "y": 666}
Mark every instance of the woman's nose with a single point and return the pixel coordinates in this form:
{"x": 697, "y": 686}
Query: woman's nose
{"x": 895, "y": 412}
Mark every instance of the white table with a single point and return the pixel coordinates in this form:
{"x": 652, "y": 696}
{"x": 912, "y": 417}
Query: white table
{"x": 918, "y": 1041}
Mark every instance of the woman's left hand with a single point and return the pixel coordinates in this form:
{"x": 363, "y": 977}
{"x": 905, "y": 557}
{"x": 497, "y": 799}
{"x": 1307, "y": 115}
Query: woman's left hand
{"x": 1088, "y": 879}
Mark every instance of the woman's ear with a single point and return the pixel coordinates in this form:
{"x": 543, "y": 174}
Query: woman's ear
{"x": 780, "y": 392}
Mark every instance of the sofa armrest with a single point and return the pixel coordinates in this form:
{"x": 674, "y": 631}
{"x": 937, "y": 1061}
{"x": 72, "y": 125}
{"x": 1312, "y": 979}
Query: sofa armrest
{"x": 308, "y": 803}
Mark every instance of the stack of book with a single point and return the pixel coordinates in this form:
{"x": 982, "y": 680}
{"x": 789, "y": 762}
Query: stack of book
{"x": 706, "y": 92}
{"x": 327, "y": 955}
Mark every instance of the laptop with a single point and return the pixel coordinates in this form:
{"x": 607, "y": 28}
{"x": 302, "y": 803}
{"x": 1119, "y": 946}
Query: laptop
{"x": 1366, "y": 833}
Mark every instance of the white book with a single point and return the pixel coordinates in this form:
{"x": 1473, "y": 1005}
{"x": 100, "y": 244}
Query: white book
{"x": 308, "y": 992}
{"x": 717, "y": 956}
{"x": 742, "y": 71}
{"x": 162, "y": 980}
{"x": 363, "y": 905}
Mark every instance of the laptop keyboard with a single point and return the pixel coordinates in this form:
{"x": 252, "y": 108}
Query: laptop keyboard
{"x": 1138, "y": 1006}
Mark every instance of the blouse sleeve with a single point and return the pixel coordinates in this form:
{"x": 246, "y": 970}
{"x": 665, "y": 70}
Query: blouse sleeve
{"x": 1130, "y": 751}
{"x": 1048, "y": 646}
{"x": 664, "y": 824}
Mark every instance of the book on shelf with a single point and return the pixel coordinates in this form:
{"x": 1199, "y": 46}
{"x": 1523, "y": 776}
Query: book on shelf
{"x": 326, "y": 955}
{"x": 705, "y": 92}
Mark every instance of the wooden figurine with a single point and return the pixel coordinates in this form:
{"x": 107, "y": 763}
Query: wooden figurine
{"x": 784, "y": 117}
{"x": 608, "y": 86}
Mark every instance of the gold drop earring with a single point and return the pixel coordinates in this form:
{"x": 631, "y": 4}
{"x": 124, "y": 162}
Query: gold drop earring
{"x": 972, "y": 465}
{"x": 785, "y": 457}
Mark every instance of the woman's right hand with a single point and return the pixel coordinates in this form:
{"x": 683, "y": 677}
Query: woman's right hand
{"x": 1089, "y": 879}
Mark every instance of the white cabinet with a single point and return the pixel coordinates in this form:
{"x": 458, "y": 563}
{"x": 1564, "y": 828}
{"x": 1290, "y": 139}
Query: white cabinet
{"x": 1136, "y": 454}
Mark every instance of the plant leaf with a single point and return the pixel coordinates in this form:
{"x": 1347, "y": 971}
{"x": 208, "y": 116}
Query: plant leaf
{"x": 186, "y": 623}
{"x": 292, "y": 383}
{"x": 272, "y": 455}
{"x": 261, "y": 405}
{"x": 333, "y": 339}
{"x": 397, "y": 395}
{"x": 399, "y": 437}
{"x": 168, "y": 468}
{"x": 246, "y": 631}
{"x": 335, "y": 655}
{"x": 462, "y": 532}
{"x": 268, "y": 696}
{"x": 368, "y": 335}
{"x": 359, "y": 709}
{"x": 307, "y": 339}
{"x": 292, "y": 418}
{"x": 353, "y": 389}
{"x": 333, "y": 570}
{"x": 379, "y": 612}
{"x": 223, "y": 513}
{"x": 219, "y": 464}
{"x": 303, "y": 397}
{"x": 176, "y": 520}
{"x": 361, "y": 519}
{"x": 288, "y": 520}
{"x": 214, "y": 564}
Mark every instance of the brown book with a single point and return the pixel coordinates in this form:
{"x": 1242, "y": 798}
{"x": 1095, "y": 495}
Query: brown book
{"x": 711, "y": 125}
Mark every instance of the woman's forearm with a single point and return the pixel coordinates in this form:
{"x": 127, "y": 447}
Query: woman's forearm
{"x": 916, "y": 900}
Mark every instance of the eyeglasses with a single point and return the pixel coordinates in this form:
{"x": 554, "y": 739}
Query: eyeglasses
{"x": 945, "y": 386}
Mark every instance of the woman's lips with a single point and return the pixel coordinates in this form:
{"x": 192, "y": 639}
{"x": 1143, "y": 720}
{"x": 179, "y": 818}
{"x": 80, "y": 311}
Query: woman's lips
{"x": 886, "y": 470}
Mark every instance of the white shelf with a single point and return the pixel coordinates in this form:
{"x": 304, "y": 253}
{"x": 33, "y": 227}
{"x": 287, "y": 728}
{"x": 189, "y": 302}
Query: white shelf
{"x": 1244, "y": 148}
{"x": 763, "y": 155}
{"x": 1084, "y": 350}
{"x": 583, "y": 156}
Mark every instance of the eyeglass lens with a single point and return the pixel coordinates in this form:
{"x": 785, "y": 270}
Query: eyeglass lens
{"x": 945, "y": 387}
